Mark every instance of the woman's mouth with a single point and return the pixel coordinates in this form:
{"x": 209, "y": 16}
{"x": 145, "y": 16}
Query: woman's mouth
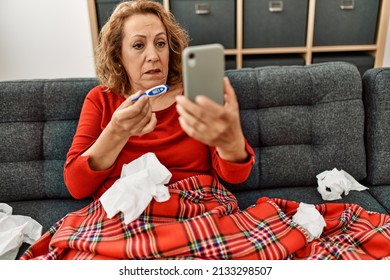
{"x": 153, "y": 71}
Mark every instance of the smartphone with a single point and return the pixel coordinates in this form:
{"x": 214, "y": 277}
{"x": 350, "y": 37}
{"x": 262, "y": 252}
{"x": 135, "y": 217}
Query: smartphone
{"x": 203, "y": 71}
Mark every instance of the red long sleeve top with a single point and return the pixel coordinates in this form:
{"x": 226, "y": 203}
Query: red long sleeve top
{"x": 181, "y": 154}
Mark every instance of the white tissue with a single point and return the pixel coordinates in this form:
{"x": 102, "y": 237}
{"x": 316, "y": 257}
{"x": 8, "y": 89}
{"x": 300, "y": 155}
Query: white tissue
{"x": 141, "y": 180}
{"x": 310, "y": 219}
{"x": 14, "y": 230}
{"x": 332, "y": 184}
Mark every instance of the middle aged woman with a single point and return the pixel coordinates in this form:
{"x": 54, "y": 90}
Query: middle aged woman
{"x": 199, "y": 142}
{"x": 140, "y": 47}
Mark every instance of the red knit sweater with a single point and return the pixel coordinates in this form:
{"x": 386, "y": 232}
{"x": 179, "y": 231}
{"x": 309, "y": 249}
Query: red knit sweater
{"x": 181, "y": 154}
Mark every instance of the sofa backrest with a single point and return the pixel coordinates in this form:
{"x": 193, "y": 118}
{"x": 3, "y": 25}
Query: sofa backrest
{"x": 301, "y": 120}
{"x": 38, "y": 119}
{"x": 376, "y": 83}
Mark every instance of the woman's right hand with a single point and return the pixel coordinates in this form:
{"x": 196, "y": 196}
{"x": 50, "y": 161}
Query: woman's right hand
{"x": 133, "y": 118}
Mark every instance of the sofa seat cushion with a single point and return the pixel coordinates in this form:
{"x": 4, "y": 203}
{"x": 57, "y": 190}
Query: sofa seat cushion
{"x": 47, "y": 212}
{"x": 310, "y": 195}
{"x": 382, "y": 195}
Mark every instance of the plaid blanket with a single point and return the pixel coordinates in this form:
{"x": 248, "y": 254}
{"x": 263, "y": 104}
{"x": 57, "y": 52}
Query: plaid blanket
{"x": 201, "y": 220}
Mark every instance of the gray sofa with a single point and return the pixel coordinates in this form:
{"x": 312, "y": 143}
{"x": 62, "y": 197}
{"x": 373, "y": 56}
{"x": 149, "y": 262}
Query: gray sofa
{"x": 300, "y": 120}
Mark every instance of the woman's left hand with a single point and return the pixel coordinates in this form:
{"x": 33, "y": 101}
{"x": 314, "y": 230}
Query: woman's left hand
{"x": 213, "y": 124}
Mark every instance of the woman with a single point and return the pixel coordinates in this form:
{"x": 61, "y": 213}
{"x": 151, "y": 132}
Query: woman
{"x": 139, "y": 50}
{"x": 140, "y": 47}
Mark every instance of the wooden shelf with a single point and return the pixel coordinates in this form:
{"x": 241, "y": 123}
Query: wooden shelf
{"x": 377, "y": 49}
{"x": 344, "y": 48}
{"x": 274, "y": 50}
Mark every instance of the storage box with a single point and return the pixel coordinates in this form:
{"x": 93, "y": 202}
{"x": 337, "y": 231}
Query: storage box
{"x": 207, "y": 22}
{"x": 345, "y": 22}
{"x": 253, "y": 61}
{"x": 104, "y": 9}
{"x": 230, "y": 62}
{"x": 362, "y": 60}
{"x": 270, "y": 24}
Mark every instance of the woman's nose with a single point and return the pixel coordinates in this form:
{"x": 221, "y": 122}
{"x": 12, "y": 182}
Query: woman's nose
{"x": 151, "y": 54}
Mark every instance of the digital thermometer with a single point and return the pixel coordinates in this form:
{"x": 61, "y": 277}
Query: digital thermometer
{"x": 157, "y": 90}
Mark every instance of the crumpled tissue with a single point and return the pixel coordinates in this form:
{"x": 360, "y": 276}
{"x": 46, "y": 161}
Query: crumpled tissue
{"x": 14, "y": 230}
{"x": 141, "y": 180}
{"x": 332, "y": 184}
{"x": 308, "y": 217}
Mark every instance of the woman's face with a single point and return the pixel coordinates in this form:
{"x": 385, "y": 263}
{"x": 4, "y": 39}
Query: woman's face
{"x": 145, "y": 51}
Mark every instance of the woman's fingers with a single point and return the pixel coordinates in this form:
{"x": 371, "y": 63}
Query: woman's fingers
{"x": 134, "y": 118}
{"x": 204, "y": 120}
{"x": 149, "y": 126}
{"x": 213, "y": 124}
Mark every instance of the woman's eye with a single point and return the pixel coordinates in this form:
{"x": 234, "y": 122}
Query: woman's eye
{"x": 161, "y": 44}
{"x": 138, "y": 46}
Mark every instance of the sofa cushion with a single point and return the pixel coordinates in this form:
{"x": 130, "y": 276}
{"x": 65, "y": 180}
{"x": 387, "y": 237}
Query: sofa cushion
{"x": 38, "y": 119}
{"x": 311, "y": 196}
{"x": 376, "y": 84}
{"x": 382, "y": 195}
{"x": 46, "y": 212}
{"x": 307, "y": 119}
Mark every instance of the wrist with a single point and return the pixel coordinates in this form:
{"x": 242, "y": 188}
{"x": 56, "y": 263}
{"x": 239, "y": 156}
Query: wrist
{"x": 234, "y": 153}
{"x": 114, "y": 133}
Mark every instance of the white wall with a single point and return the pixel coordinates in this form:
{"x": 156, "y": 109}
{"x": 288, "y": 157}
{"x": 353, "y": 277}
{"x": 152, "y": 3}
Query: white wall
{"x": 52, "y": 39}
{"x": 45, "y": 39}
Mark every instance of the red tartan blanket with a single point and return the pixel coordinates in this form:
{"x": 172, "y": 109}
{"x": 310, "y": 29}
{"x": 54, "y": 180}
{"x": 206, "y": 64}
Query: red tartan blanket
{"x": 201, "y": 220}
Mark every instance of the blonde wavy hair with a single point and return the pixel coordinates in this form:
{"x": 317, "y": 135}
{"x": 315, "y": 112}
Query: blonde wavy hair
{"x": 108, "y": 52}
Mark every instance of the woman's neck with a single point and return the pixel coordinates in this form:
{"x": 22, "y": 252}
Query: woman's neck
{"x": 165, "y": 100}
